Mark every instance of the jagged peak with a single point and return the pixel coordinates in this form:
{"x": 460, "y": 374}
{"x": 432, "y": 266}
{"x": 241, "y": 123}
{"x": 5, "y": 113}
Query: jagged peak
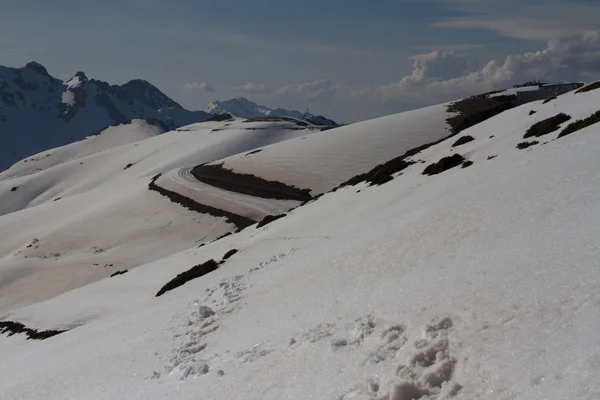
{"x": 147, "y": 93}
{"x": 81, "y": 75}
{"x": 139, "y": 82}
{"x": 37, "y": 67}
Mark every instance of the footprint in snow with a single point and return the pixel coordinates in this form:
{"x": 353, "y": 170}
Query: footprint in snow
{"x": 427, "y": 373}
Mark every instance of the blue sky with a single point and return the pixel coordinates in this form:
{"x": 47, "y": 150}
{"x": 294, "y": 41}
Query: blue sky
{"x": 346, "y": 59}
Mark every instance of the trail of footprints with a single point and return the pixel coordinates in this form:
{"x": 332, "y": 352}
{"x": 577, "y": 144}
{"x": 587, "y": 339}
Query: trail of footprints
{"x": 426, "y": 372}
{"x": 190, "y": 359}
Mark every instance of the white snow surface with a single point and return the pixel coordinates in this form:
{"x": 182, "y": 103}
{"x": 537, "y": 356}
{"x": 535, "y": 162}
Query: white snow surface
{"x": 478, "y": 283}
{"x": 323, "y": 161}
{"x": 85, "y": 211}
{"x": 111, "y": 137}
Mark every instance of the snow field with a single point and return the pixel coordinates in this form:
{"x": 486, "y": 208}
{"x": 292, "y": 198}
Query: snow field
{"x": 476, "y": 283}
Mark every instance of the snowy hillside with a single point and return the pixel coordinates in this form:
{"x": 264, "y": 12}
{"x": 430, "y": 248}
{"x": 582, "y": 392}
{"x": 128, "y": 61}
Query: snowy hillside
{"x": 111, "y": 137}
{"x": 244, "y": 108}
{"x": 322, "y": 162}
{"x": 39, "y": 112}
{"x": 89, "y": 203}
{"x": 464, "y": 268}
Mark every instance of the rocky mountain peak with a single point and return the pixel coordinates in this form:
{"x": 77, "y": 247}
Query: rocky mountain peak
{"x": 37, "y": 67}
{"x": 81, "y": 75}
{"x": 148, "y": 94}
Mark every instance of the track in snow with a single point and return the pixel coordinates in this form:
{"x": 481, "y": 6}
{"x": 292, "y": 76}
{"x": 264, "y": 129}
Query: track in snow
{"x": 248, "y": 206}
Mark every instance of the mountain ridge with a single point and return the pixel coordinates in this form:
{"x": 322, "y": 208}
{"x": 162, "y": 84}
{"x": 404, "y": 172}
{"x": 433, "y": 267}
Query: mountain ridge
{"x": 40, "y": 112}
{"x": 244, "y": 108}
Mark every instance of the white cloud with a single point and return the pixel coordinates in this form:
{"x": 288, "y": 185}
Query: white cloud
{"x": 441, "y": 75}
{"x": 309, "y": 90}
{"x": 448, "y": 47}
{"x": 538, "y": 20}
{"x": 253, "y": 88}
{"x": 200, "y": 86}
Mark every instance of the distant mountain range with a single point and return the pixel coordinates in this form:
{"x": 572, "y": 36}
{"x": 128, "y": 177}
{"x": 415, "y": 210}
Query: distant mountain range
{"x": 244, "y": 108}
{"x": 40, "y": 112}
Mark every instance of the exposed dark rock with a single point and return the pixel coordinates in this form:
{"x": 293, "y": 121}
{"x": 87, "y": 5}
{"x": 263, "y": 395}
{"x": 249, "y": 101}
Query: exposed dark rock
{"x": 220, "y": 118}
{"x": 549, "y": 100}
{"x": 268, "y": 219}
{"x": 444, "y": 164}
{"x": 476, "y": 109}
{"x": 128, "y": 166}
{"x": 546, "y": 126}
{"x": 119, "y": 273}
{"x": 223, "y": 236}
{"x": 37, "y": 67}
{"x": 13, "y": 328}
{"x": 470, "y": 111}
{"x": 14, "y": 189}
{"x": 467, "y": 163}
{"x": 24, "y": 85}
{"x": 277, "y": 119}
{"x": 383, "y": 172}
{"x": 590, "y": 87}
{"x": 463, "y": 140}
{"x": 524, "y": 145}
{"x": 253, "y": 152}
{"x": 229, "y": 254}
{"x": 146, "y": 93}
{"x": 239, "y": 221}
{"x": 492, "y": 157}
{"x": 217, "y": 176}
{"x": 532, "y": 112}
{"x": 193, "y": 273}
{"x": 580, "y": 124}
{"x": 113, "y": 111}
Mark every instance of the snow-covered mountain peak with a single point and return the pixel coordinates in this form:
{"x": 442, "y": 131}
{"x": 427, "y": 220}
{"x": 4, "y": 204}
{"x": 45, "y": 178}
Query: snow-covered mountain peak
{"x": 79, "y": 79}
{"x": 245, "y": 108}
{"x": 39, "y": 112}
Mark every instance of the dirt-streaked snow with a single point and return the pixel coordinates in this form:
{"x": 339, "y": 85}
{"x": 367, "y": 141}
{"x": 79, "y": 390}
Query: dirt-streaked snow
{"x": 477, "y": 283}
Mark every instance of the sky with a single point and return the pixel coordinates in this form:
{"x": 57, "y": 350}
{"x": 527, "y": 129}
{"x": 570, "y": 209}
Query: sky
{"x": 347, "y": 59}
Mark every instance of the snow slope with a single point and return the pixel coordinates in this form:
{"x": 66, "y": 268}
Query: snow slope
{"x": 86, "y": 211}
{"x": 111, "y": 137}
{"x": 322, "y": 161}
{"x": 477, "y": 283}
